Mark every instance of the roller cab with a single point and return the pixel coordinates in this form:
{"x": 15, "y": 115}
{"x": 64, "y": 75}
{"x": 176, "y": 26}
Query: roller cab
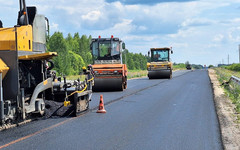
{"x": 110, "y": 73}
{"x": 160, "y": 66}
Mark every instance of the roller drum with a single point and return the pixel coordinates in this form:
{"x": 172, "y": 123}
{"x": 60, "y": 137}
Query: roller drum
{"x": 108, "y": 84}
{"x": 160, "y": 74}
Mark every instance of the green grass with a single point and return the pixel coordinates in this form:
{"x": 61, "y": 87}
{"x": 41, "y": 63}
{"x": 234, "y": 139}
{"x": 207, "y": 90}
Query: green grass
{"x": 233, "y": 67}
{"x": 232, "y": 90}
{"x": 179, "y": 67}
{"x": 136, "y": 73}
{"x": 75, "y": 77}
{"x": 131, "y": 74}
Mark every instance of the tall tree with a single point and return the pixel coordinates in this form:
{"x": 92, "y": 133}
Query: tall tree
{"x": 74, "y": 53}
{"x": 57, "y": 44}
{"x": 76, "y": 63}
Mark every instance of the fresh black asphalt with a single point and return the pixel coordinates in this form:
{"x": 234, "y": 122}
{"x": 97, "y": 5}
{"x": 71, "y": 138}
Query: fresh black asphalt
{"x": 151, "y": 114}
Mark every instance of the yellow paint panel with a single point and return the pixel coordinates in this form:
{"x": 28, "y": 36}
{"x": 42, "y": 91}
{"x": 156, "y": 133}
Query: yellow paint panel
{"x": 41, "y": 56}
{"x": 66, "y": 103}
{"x": 24, "y": 36}
{"x": 45, "y": 82}
{"x": 3, "y": 68}
{"x": 7, "y": 39}
{"x": 159, "y": 64}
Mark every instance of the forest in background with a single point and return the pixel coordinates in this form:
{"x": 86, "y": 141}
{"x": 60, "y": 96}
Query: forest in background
{"x": 74, "y": 53}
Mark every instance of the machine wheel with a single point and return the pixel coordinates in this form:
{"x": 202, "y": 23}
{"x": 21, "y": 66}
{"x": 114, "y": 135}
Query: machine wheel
{"x": 122, "y": 87}
{"x": 149, "y": 77}
{"x": 125, "y": 83}
{"x": 170, "y": 76}
{"x": 93, "y": 89}
{"x": 40, "y": 107}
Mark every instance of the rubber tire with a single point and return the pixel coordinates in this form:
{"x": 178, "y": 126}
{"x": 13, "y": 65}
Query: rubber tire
{"x": 125, "y": 83}
{"x": 170, "y": 76}
{"x": 122, "y": 87}
{"x": 149, "y": 77}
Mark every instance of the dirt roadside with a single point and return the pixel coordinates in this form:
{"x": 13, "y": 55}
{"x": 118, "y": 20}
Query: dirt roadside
{"x": 230, "y": 129}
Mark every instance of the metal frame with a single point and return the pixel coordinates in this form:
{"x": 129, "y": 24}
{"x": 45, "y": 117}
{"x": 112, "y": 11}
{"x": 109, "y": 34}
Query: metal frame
{"x": 235, "y": 79}
{"x": 38, "y": 89}
{"x": 155, "y": 49}
{"x": 98, "y": 40}
{"x": 1, "y": 101}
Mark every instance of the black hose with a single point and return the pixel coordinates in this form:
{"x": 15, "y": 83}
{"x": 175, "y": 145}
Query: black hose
{"x": 51, "y": 65}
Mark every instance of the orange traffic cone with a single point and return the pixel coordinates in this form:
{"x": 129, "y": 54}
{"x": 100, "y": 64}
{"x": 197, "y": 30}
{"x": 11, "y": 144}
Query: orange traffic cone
{"x": 101, "y": 106}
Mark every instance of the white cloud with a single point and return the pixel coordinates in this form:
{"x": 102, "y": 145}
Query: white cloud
{"x": 54, "y": 27}
{"x": 68, "y": 9}
{"x": 197, "y": 22}
{"x": 183, "y": 33}
{"x": 142, "y": 39}
{"x": 213, "y": 46}
{"x": 218, "y": 38}
{"x": 142, "y": 28}
{"x": 7, "y": 2}
{"x": 235, "y": 20}
{"x": 92, "y": 16}
{"x": 234, "y": 34}
{"x": 196, "y": 29}
{"x": 180, "y": 45}
{"x": 124, "y": 27}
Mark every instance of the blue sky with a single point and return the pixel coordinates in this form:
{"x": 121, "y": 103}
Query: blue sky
{"x": 200, "y": 31}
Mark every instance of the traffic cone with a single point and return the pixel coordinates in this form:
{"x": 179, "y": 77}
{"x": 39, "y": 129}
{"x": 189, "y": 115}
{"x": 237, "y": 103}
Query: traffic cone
{"x": 101, "y": 106}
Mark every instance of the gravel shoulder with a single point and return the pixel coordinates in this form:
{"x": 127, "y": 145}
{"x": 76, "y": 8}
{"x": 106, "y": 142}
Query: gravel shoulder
{"x": 227, "y": 116}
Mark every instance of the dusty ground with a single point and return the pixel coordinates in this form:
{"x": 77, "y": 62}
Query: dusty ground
{"x": 230, "y": 129}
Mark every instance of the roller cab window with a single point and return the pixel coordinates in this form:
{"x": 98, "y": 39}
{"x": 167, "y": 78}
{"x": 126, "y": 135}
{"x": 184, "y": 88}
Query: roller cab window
{"x": 106, "y": 50}
{"x": 160, "y": 55}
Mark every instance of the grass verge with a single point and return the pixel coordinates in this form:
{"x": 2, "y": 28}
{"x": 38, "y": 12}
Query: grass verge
{"x": 179, "y": 67}
{"x": 75, "y": 77}
{"x": 232, "y": 90}
{"x": 131, "y": 74}
{"x": 136, "y": 73}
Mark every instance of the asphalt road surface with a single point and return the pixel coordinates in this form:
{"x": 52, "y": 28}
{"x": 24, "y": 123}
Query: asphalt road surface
{"x": 151, "y": 114}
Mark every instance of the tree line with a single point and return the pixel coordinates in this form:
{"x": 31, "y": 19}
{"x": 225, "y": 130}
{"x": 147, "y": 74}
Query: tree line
{"x": 134, "y": 61}
{"x": 184, "y": 65}
{"x": 74, "y": 53}
{"x": 233, "y": 67}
